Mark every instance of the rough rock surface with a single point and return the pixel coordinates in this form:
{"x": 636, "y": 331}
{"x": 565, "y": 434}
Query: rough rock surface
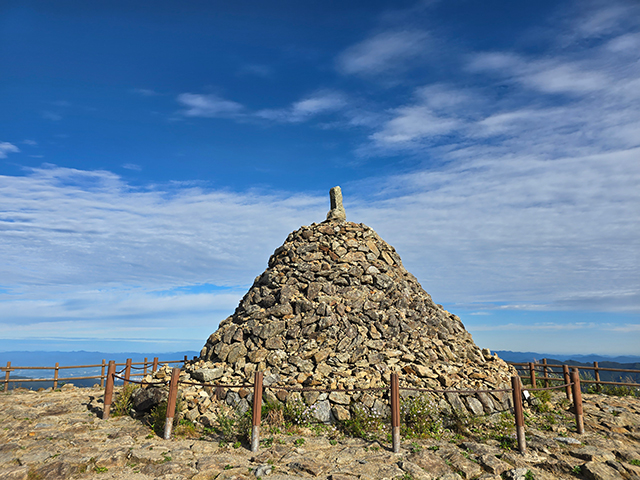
{"x": 59, "y": 435}
{"x": 336, "y": 309}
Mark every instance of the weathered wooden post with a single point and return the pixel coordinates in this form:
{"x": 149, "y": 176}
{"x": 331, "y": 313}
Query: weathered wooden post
{"x": 104, "y": 362}
{"x": 567, "y": 381}
{"x": 171, "y": 402}
{"x": 395, "y": 412}
{"x": 108, "y": 391}
{"x": 127, "y": 372}
{"x": 577, "y": 400}
{"x": 155, "y": 365}
{"x": 144, "y": 371}
{"x": 185, "y": 359}
{"x": 545, "y": 372}
{"x": 518, "y": 413}
{"x": 55, "y": 376}
{"x": 532, "y": 374}
{"x": 6, "y": 377}
{"x": 257, "y": 411}
{"x": 597, "y": 375}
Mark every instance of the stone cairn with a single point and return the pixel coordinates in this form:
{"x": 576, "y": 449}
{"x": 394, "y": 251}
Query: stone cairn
{"x": 336, "y": 309}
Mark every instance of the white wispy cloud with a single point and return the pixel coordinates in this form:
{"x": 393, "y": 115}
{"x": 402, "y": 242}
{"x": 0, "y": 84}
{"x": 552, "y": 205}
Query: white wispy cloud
{"x": 317, "y": 104}
{"x": 201, "y": 105}
{"x": 132, "y": 166}
{"x": 382, "y": 52}
{"x": 6, "y": 148}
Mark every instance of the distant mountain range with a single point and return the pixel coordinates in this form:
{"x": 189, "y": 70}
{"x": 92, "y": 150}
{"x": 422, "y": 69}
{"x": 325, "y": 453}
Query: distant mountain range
{"x": 628, "y": 362}
{"x": 509, "y": 356}
{"x": 49, "y": 359}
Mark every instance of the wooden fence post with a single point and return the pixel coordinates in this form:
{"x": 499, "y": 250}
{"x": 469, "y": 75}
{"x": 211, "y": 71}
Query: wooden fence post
{"x": 185, "y": 359}
{"x": 532, "y": 374}
{"x": 144, "y": 371}
{"x": 567, "y": 381}
{"x": 171, "y": 403}
{"x": 108, "y": 391}
{"x": 257, "y": 411}
{"x": 395, "y": 412}
{"x": 577, "y": 400}
{"x": 545, "y": 372}
{"x": 597, "y": 374}
{"x": 102, "y": 373}
{"x": 127, "y": 372}
{"x": 518, "y": 413}
{"x": 155, "y": 365}
{"x": 6, "y": 378}
{"x": 55, "y": 376}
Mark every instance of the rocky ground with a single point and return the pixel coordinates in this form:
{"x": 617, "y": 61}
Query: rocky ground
{"x": 49, "y": 435}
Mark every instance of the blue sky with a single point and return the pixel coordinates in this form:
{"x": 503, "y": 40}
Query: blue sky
{"x": 153, "y": 155}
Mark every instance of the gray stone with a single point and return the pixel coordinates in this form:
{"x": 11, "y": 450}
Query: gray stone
{"x": 516, "y": 474}
{"x": 337, "y": 212}
{"x": 208, "y": 374}
{"x": 475, "y": 406}
{"x": 271, "y": 329}
{"x": 237, "y": 351}
{"x": 340, "y": 413}
{"x": 145, "y": 399}
{"x": 263, "y": 470}
{"x": 340, "y": 397}
{"x": 322, "y": 411}
{"x": 232, "y": 398}
{"x": 455, "y": 401}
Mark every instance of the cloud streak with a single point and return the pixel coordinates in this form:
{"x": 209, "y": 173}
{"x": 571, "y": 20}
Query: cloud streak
{"x": 383, "y": 52}
{"x": 7, "y": 148}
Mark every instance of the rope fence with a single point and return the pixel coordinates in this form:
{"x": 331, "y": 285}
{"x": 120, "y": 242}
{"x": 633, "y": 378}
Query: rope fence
{"x": 394, "y": 399}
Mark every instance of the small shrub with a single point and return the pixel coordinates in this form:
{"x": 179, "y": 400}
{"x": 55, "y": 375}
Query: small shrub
{"x": 101, "y": 469}
{"x": 232, "y": 426}
{"x": 577, "y": 469}
{"x": 122, "y": 405}
{"x": 298, "y": 414}
{"x": 542, "y": 395}
{"x": 529, "y": 475}
{"x": 299, "y": 442}
{"x": 635, "y": 462}
{"x": 420, "y": 418}
{"x": 186, "y": 429}
{"x": 415, "y": 447}
{"x": 364, "y": 423}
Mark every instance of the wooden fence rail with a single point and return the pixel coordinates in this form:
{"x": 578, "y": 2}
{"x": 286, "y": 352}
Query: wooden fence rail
{"x": 546, "y": 368}
{"x": 56, "y": 378}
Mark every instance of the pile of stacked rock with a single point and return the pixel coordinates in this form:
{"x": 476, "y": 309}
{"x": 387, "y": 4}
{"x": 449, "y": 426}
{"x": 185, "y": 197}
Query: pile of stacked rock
{"x": 336, "y": 309}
